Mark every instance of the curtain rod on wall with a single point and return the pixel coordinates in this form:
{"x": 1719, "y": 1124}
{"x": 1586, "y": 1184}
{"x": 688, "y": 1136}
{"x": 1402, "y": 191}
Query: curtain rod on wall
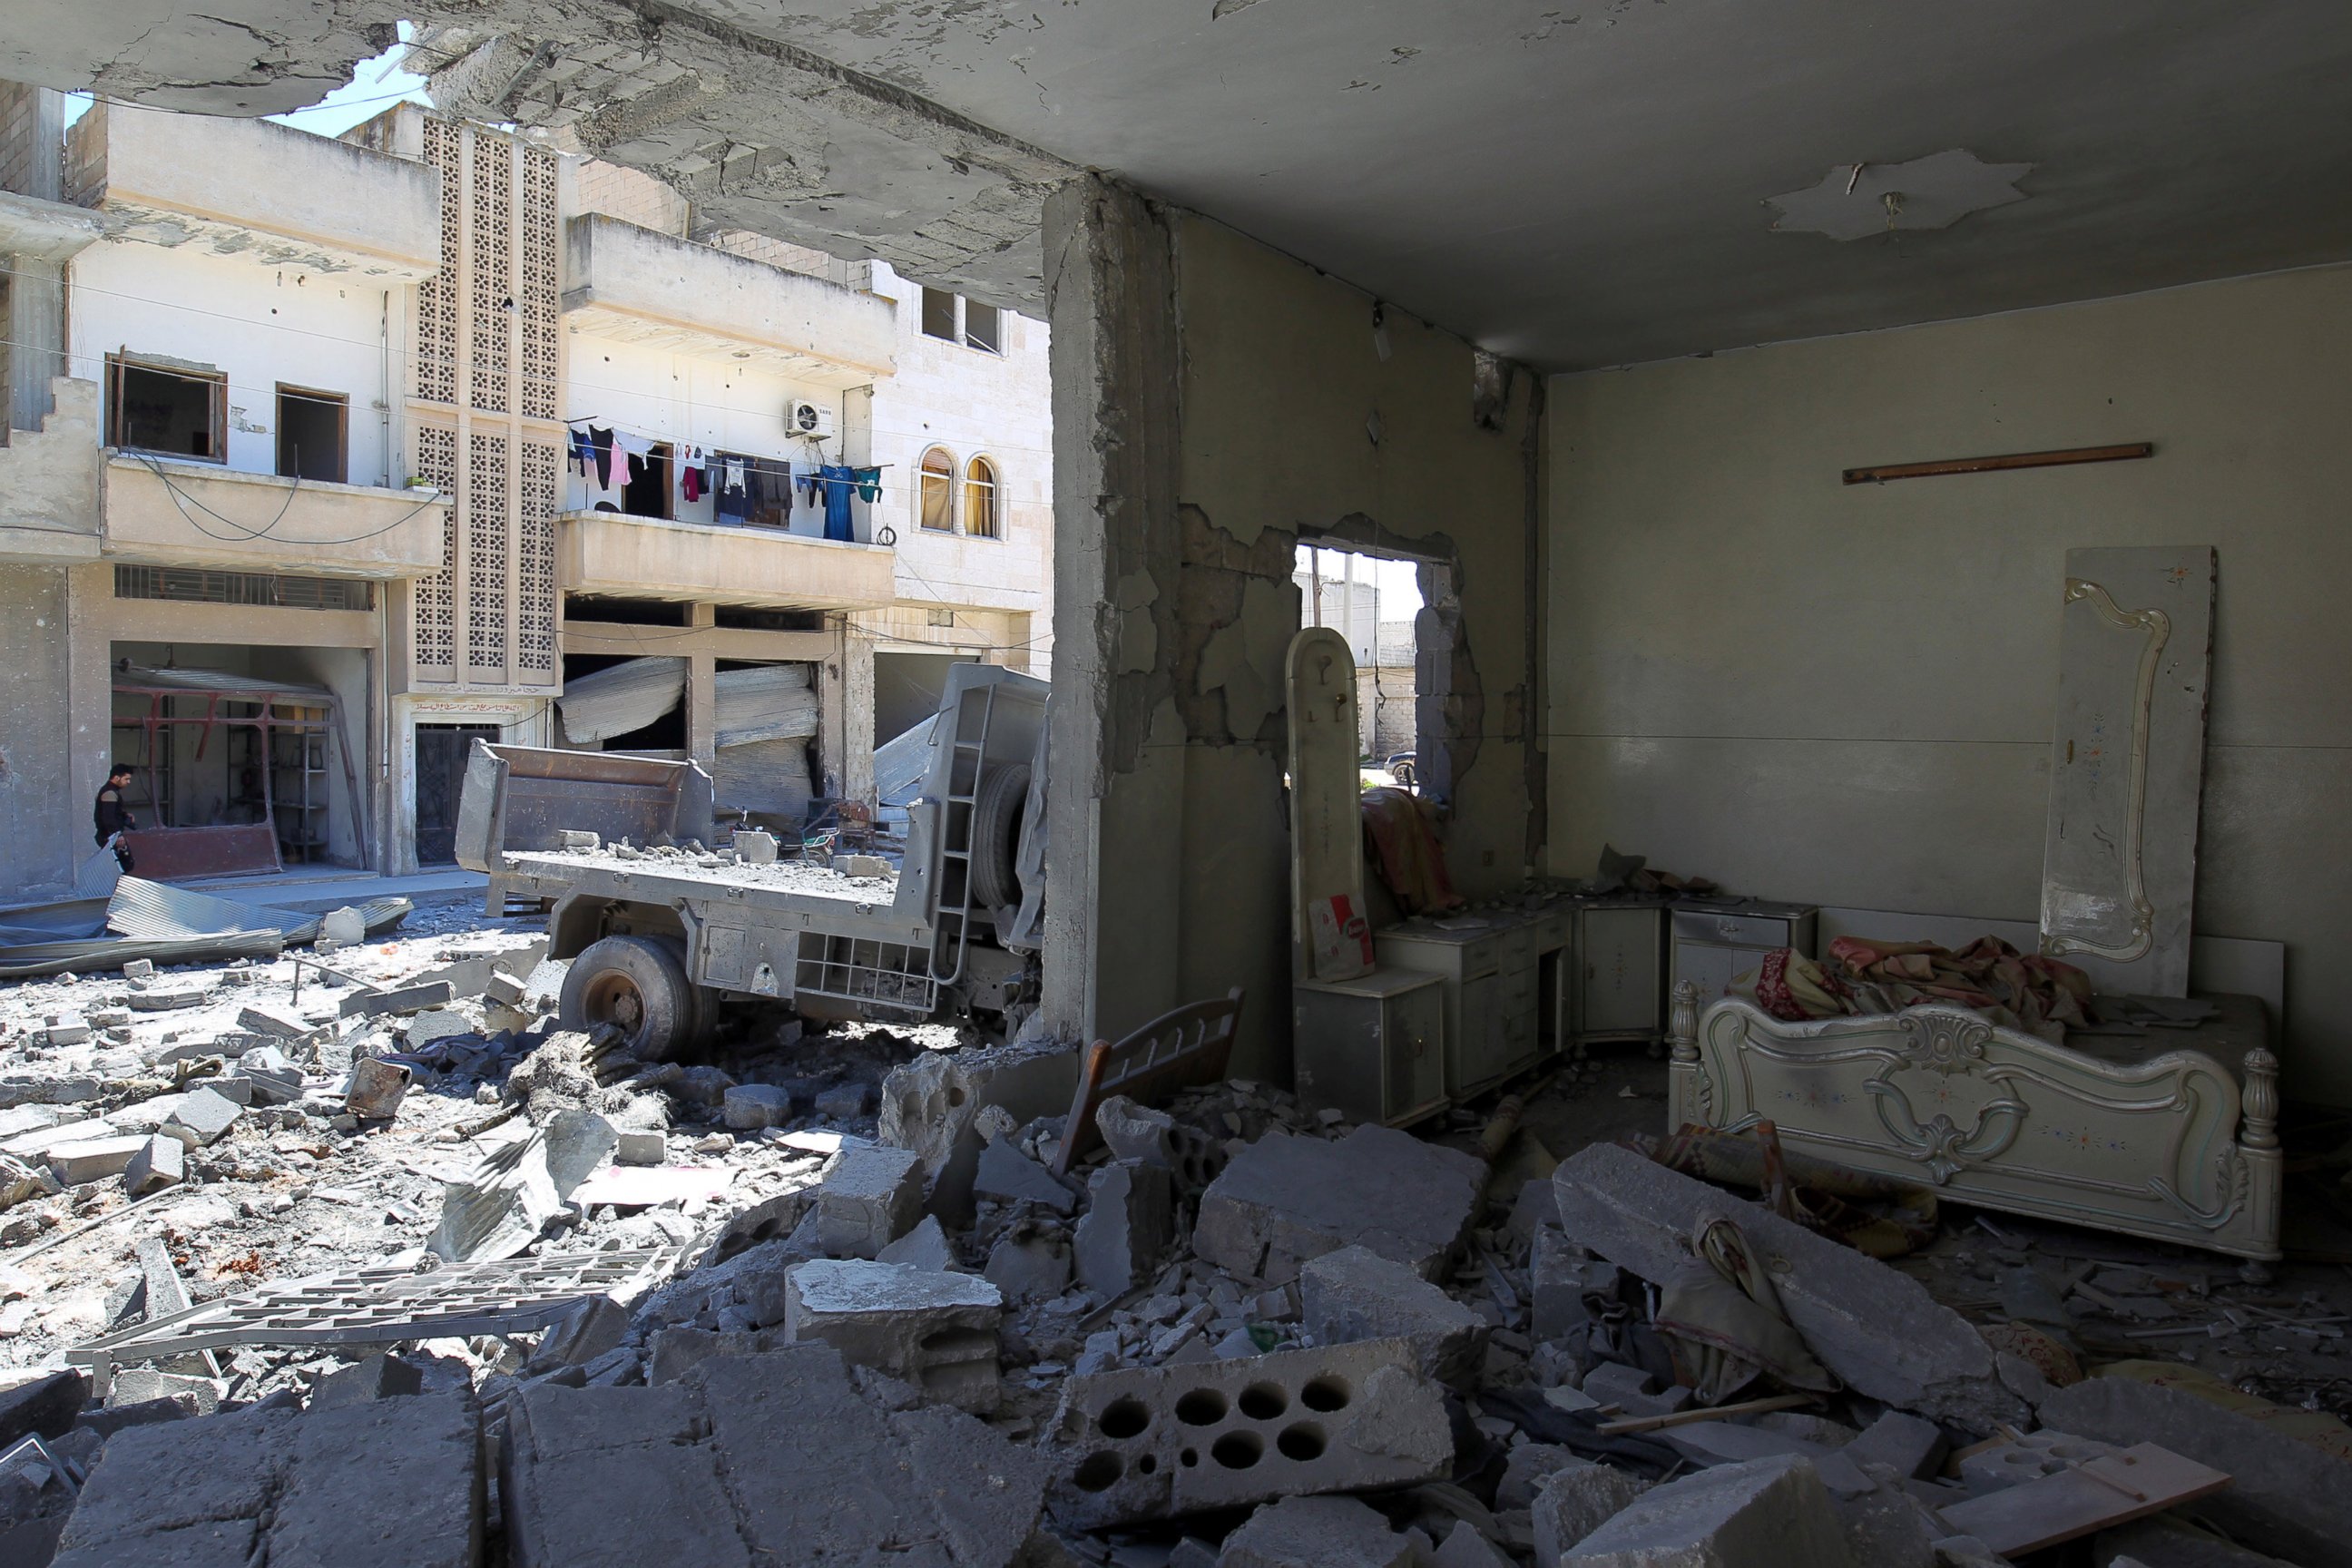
{"x": 2052, "y": 459}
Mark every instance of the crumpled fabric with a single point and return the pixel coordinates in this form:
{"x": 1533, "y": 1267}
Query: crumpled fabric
{"x": 1879, "y": 1217}
{"x": 1410, "y": 861}
{"x": 2018, "y": 990}
{"x": 1722, "y": 1316}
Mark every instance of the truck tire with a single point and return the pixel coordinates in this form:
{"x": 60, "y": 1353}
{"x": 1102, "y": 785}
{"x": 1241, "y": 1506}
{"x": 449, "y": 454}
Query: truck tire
{"x": 996, "y": 813}
{"x": 637, "y": 985}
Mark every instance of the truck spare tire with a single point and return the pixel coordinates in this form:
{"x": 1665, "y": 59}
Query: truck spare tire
{"x": 637, "y": 985}
{"x": 997, "y": 816}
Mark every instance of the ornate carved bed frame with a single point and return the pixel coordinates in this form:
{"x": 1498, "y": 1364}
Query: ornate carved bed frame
{"x": 2173, "y": 1147}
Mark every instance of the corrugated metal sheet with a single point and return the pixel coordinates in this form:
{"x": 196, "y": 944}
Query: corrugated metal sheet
{"x": 90, "y": 955}
{"x": 139, "y": 676}
{"x": 151, "y": 909}
{"x": 768, "y": 776}
{"x": 767, "y": 702}
{"x": 899, "y": 764}
{"x": 622, "y": 697}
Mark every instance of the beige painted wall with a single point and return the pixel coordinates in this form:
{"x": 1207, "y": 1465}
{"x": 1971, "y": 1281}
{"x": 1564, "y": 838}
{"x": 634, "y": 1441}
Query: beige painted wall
{"x": 1808, "y": 691}
{"x": 1279, "y": 377}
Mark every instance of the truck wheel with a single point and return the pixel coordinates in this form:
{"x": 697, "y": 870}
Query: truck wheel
{"x": 636, "y": 984}
{"x": 996, "y": 813}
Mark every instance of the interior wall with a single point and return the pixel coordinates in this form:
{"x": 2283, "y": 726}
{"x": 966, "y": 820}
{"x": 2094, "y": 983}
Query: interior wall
{"x": 1844, "y": 694}
{"x": 1288, "y": 418}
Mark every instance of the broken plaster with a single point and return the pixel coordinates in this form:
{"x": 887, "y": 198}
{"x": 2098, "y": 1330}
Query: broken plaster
{"x": 1245, "y": 658}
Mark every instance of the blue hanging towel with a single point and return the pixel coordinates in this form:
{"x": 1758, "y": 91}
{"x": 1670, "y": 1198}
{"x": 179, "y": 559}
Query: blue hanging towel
{"x": 840, "y": 484}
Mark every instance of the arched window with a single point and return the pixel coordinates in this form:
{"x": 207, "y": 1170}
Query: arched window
{"x": 981, "y": 517}
{"x": 935, "y": 497}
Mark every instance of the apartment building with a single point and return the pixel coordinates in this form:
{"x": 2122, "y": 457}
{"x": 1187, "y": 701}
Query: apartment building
{"x": 357, "y": 450}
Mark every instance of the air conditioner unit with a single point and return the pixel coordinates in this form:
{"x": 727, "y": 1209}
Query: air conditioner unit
{"x": 809, "y": 419}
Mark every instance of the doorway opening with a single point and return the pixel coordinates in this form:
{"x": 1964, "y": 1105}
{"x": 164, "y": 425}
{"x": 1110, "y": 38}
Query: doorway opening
{"x": 1376, "y": 601}
{"x": 441, "y": 753}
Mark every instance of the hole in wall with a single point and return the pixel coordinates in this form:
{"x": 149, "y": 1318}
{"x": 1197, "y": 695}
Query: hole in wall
{"x": 1098, "y": 1472}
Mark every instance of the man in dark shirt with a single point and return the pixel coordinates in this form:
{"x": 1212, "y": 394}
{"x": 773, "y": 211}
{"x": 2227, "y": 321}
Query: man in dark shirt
{"x": 110, "y": 817}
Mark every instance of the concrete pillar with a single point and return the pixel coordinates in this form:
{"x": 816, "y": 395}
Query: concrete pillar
{"x": 35, "y": 322}
{"x": 1115, "y": 797}
{"x": 703, "y": 695}
{"x": 857, "y": 715}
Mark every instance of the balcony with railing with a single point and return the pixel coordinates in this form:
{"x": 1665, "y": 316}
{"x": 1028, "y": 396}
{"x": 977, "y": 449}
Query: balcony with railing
{"x": 179, "y": 511}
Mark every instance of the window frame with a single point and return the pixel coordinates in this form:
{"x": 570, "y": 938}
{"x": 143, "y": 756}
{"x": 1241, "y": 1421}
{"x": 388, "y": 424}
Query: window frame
{"x": 341, "y": 403}
{"x": 924, "y": 474}
{"x": 217, "y": 411}
{"x": 996, "y": 317}
{"x": 994, "y": 485}
{"x": 954, "y": 334}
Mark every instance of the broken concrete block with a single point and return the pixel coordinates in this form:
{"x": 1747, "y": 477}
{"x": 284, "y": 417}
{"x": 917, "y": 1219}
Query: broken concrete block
{"x": 407, "y": 999}
{"x": 375, "y": 1088}
{"x": 171, "y": 998}
{"x": 1632, "y": 1391}
{"x": 1316, "y": 1532}
{"x": 503, "y": 990}
{"x": 1151, "y": 1442}
{"x": 757, "y": 846}
{"x": 863, "y": 866}
{"x": 1722, "y": 1442}
{"x": 1029, "y": 1268}
{"x": 1887, "y": 1528}
{"x": 1526, "y": 1468}
{"x": 588, "y": 1328}
{"x": 1561, "y": 1274}
{"x": 641, "y": 1146}
{"x": 380, "y": 1376}
{"x": 1915, "y": 1449}
{"x": 166, "y": 1292}
{"x": 2169, "y": 1542}
{"x": 1466, "y": 1548}
{"x": 1355, "y": 1294}
{"x": 1008, "y": 1175}
{"x": 1876, "y": 1328}
{"x": 2285, "y": 1497}
{"x": 345, "y": 925}
{"x": 870, "y": 1198}
{"x": 46, "y": 1406}
{"x": 274, "y": 1019}
{"x": 203, "y": 1118}
{"x": 773, "y": 1458}
{"x": 67, "y": 1032}
{"x": 276, "y": 1081}
{"x": 1765, "y": 1512}
{"x": 578, "y": 839}
{"x": 1573, "y": 1501}
{"x": 932, "y": 1105}
{"x": 925, "y": 1247}
{"x": 845, "y": 1102}
{"x": 748, "y": 1107}
{"x": 1283, "y": 1199}
{"x": 436, "y": 1024}
{"x": 143, "y": 1384}
{"x": 94, "y": 1159}
{"x": 160, "y": 1162}
{"x": 929, "y": 1329}
{"x": 1130, "y": 1223}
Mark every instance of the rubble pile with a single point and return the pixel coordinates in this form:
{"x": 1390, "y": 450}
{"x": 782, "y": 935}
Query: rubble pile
{"x": 875, "y": 1321}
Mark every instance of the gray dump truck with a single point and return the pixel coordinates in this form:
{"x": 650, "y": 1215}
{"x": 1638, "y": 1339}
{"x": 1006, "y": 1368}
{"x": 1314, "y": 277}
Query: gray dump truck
{"x": 660, "y": 937}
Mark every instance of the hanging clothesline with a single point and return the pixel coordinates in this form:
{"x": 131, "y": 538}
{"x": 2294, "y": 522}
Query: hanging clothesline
{"x": 765, "y": 465}
{"x": 759, "y": 492}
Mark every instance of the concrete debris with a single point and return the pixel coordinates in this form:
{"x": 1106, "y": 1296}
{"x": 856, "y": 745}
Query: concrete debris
{"x": 403, "y": 1000}
{"x": 380, "y": 1376}
{"x": 1139, "y": 1132}
{"x": 1356, "y": 1294}
{"x": 869, "y": 1199}
{"x": 159, "y": 1164}
{"x": 1284, "y": 1199}
{"x": 925, "y": 1247}
{"x": 750, "y": 1105}
{"x": 2287, "y": 1497}
{"x": 1573, "y": 1501}
{"x": 1008, "y": 1175}
{"x": 1128, "y": 1226}
{"x": 94, "y": 1159}
{"x": 1466, "y": 1548}
{"x": 1765, "y": 1512}
{"x": 46, "y": 1404}
{"x": 1877, "y": 1329}
{"x": 388, "y": 1484}
{"x": 1030, "y": 1265}
{"x": 1150, "y": 1443}
{"x": 375, "y": 1091}
{"x": 203, "y": 1118}
{"x": 774, "y": 1457}
{"x": 928, "y": 1328}
{"x": 1316, "y": 1532}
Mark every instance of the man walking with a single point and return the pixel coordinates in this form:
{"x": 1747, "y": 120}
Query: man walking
{"x": 110, "y": 818}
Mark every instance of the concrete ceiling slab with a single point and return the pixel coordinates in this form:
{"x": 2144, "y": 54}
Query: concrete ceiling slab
{"x": 1574, "y": 184}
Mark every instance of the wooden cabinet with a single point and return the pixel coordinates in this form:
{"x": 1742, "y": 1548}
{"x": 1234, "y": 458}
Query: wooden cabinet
{"x": 1492, "y": 967}
{"x": 1620, "y": 974}
{"x": 1715, "y": 939}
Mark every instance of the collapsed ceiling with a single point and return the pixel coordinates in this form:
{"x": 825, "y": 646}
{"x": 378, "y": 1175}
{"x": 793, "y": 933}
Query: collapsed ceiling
{"x": 1576, "y": 186}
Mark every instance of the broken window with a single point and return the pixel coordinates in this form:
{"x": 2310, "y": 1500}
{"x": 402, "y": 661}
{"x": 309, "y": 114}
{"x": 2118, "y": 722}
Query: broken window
{"x": 175, "y": 412}
{"x": 937, "y": 494}
{"x": 980, "y": 500}
{"x": 311, "y": 434}
{"x": 1375, "y": 602}
{"x": 983, "y": 328}
{"x": 938, "y": 314}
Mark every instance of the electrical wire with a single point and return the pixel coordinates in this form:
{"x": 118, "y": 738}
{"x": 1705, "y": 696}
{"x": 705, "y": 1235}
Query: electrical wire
{"x": 244, "y": 534}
